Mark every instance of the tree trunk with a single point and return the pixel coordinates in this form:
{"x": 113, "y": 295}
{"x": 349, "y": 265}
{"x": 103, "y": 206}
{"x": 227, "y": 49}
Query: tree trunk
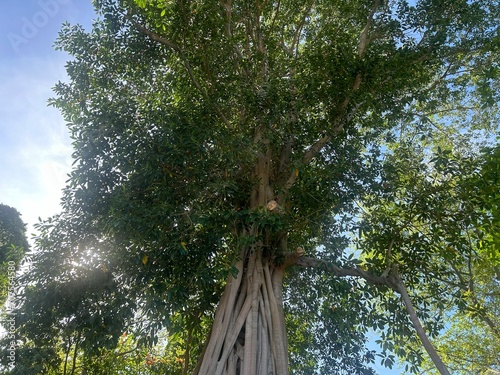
{"x": 248, "y": 336}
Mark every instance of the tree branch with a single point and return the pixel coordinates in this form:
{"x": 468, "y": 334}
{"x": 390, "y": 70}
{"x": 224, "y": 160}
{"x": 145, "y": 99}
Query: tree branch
{"x": 228, "y": 8}
{"x": 363, "y": 38}
{"x": 336, "y": 128}
{"x": 392, "y": 281}
{"x": 154, "y": 36}
{"x": 343, "y": 272}
{"x": 436, "y": 359}
{"x": 127, "y": 351}
{"x": 309, "y": 154}
{"x": 295, "y": 42}
{"x": 175, "y": 47}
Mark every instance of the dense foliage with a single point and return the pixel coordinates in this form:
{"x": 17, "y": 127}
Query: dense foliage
{"x": 334, "y": 140}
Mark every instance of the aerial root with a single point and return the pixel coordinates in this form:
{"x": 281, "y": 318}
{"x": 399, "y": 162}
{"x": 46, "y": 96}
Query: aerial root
{"x": 248, "y": 336}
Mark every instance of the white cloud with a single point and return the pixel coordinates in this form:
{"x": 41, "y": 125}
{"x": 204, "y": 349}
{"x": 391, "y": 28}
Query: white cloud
{"x": 35, "y": 150}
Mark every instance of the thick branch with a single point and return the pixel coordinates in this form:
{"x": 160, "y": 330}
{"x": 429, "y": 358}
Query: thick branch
{"x": 436, "y": 359}
{"x": 363, "y": 38}
{"x": 309, "y": 154}
{"x": 336, "y": 128}
{"x": 343, "y": 272}
{"x": 293, "y": 48}
{"x": 154, "y": 36}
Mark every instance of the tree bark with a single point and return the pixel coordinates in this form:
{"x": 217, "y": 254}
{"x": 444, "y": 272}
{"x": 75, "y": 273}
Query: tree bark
{"x": 248, "y": 336}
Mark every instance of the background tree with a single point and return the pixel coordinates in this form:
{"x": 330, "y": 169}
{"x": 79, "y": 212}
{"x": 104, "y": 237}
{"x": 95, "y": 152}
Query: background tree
{"x": 250, "y": 139}
{"x": 13, "y": 246}
{"x": 470, "y": 340}
{"x": 439, "y": 211}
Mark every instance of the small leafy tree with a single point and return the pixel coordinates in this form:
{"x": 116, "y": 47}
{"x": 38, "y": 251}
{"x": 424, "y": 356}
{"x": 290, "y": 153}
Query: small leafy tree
{"x": 242, "y": 167}
{"x": 13, "y": 246}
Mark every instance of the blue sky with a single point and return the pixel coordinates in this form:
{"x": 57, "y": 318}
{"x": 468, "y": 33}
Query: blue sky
{"x": 35, "y": 149}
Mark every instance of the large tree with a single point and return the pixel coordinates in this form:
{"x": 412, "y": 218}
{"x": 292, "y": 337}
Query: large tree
{"x": 237, "y": 168}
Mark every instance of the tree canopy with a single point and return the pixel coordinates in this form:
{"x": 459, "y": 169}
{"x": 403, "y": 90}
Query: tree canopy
{"x": 247, "y": 169}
